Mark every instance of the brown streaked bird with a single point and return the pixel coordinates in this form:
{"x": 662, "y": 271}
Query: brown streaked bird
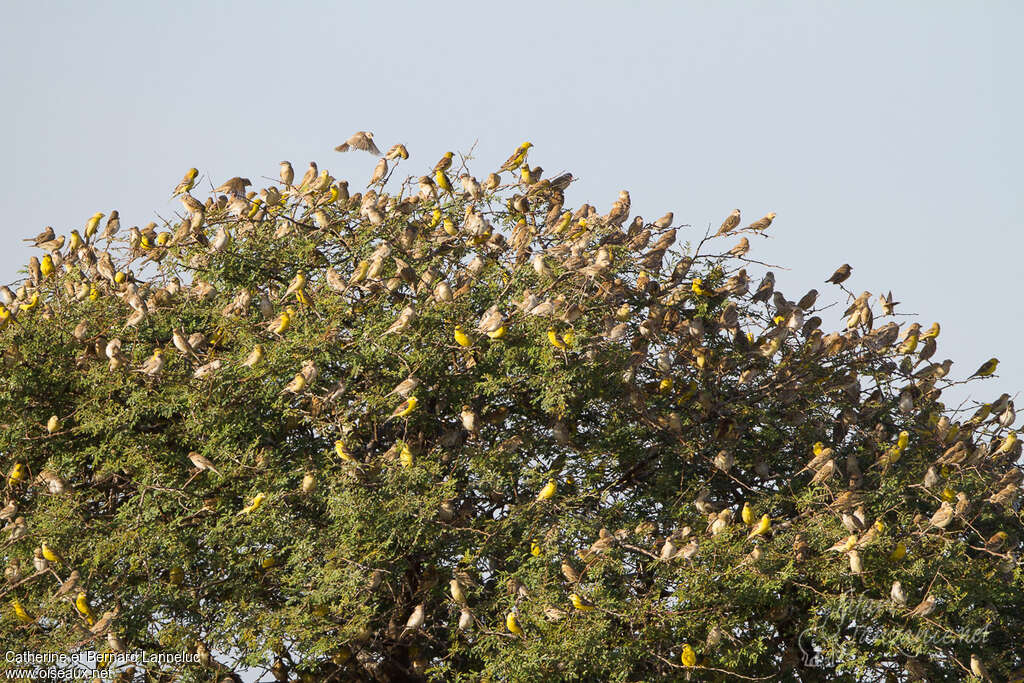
{"x": 45, "y": 236}
{"x": 309, "y": 176}
{"x": 762, "y": 223}
{"x": 287, "y": 173}
{"x": 361, "y": 140}
{"x": 234, "y": 185}
{"x": 841, "y": 274}
{"x": 730, "y": 223}
{"x": 202, "y": 462}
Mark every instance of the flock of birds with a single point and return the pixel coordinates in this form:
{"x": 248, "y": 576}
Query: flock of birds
{"x": 577, "y": 260}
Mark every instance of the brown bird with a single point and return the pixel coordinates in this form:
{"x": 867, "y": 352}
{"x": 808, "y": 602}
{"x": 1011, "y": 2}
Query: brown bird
{"x": 361, "y": 140}
{"x": 202, "y": 462}
{"x": 763, "y": 223}
{"x": 235, "y": 185}
{"x": 730, "y": 222}
{"x": 841, "y": 274}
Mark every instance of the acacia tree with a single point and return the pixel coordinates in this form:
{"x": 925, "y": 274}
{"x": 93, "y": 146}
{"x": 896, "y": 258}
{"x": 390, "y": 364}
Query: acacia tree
{"x": 472, "y": 434}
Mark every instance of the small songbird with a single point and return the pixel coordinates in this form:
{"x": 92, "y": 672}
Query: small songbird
{"x": 255, "y": 357}
{"x": 512, "y": 624}
{"x": 841, "y": 274}
{"x": 405, "y": 407}
{"x": 257, "y": 501}
{"x": 688, "y": 656}
{"x": 548, "y": 491}
{"x": 417, "y": 618}
{"x": 581, "y": 604}
{"x": 762, "y": 527}
{"x": 730, "y": 223}
{"x": 987, "y": 368}
{"x": 154, "y": 365}
{"x": 361, "y": 140}
{"x": 202, "y": 463}
{"x": 187, "y": 182}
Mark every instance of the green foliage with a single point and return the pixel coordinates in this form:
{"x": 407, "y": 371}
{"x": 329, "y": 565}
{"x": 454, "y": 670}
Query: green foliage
{"x": 657, "y": 410}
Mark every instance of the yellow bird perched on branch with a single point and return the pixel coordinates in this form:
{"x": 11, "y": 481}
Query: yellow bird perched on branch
{"x": 548, "y": 491}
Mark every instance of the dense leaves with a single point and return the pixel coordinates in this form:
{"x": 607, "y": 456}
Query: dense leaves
{"x": 615, "y": 453}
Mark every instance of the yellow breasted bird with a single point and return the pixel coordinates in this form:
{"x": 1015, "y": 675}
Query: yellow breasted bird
{"x": 461, "y": 338}
{"x": 339, "y": 448}
{"x": 92, "y": 225}
{"x": 517, "y": 158}
{"x": 186, "y": 183}
{"x": 762, "y": 527}
{"x": 83, "y": 607}
{"x": 20, "y": 612}
{"x": 512, "y": 624}
{"x": 553, "y": 338}
{"x": 548, "y": 490}
{"x": 50, "y": 554}
{"x": 257, "y": 501}
{"x": 688, "y": 656}
{"x": 987, "y": 368}
{"x": 405, "y": 407}
{"x": 581, "y": 604}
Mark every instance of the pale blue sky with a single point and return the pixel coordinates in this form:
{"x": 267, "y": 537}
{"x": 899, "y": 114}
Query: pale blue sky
{"x": 886, "y": 135}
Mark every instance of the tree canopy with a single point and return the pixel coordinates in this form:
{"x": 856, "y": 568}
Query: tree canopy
{"x": 459, "y": 430}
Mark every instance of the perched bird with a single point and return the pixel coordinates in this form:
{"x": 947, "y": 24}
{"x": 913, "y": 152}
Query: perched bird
{"x": 402, "y": 323}
{"x": 187, "y": 182}
{"x": 518, "y": 157}
{"x": 512, "y": 624}
{"x": 461, "y": 338}
{"x": 50, "y": 553}
{"x": 841, "y": 274}
{"x": 154, "y": 365}
{"x": 762, "y": 527}
{"x": 417, "y": 618}
{"x": 361, "y": 140}
{"x": 897, "y": 594}
{"x": 202, "y": 463}
{"x": 548, "y": 491}
{"x": 580, "y": 603}
{"x": 257, "y": 501}
{"x": 405, "y": 407}
{"x": 83, "y": 606}
{"x": 287, "y": 174}
{"x": 762, "y": 223}
{"x": 71, "y": 585}
{"x": 987, "y": 368}
{"x": 730, "y": 223}
{"x": 688, "y": 656}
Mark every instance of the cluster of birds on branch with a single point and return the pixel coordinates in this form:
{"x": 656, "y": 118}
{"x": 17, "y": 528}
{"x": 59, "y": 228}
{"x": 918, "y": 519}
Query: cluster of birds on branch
{"x": 436, "y": 239}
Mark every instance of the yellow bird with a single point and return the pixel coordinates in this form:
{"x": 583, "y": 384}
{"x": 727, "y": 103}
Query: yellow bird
{"x": 83, "y": 606}
{"x": 406, "y": 407}
{"x": 342, "y": 452}
{"x": 283, "y": 321}
{"x": 569, "y": 338}
{"x": 553, "y": 338}
{"x": 931, "y": 332}
{"x": 747, "y": 514}
{"x": 688, "y": 656}
{"x": 297, "y": 284}
{"x": 762, "y": 527}
{"x": 512, "y": 624}
{"x": 51, "y": 554}
{"x": 46, "y": 266}
{"x": 899, "y": 552}
{"x": 498, "y": 333}
{"x": 445, "y": 163}
{"x": 20, "y": 612}
{"x": 1008, "y": 443}
{"x": 548, "y": 490}
{"x": 535, "y": 548}
{"x": 461, "y": 338}
{"x": 910, "y": 344}
{"x": 93, "y": 224}
{"x": 186, "y": 183}
{"x": 443, "y": 182}
{"x": 697, "y": 286}
{"x": 297, "y": 384}
{"x": 257, "y": 501}
{"x": 987, "y": 368}
{"x": 449, "y": 227}
{"x": 517, "y": 158}
{"x": 76, "y": 241}
{"x": 902, "y": 440}
{"x": 18, "y": 474}
{"x": 581, "y": 604}
{"x": 405, "y": 456}
{"x": 176, "y": 576}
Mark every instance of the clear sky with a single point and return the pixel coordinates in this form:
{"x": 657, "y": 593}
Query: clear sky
{"x": 886, "y": 135}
